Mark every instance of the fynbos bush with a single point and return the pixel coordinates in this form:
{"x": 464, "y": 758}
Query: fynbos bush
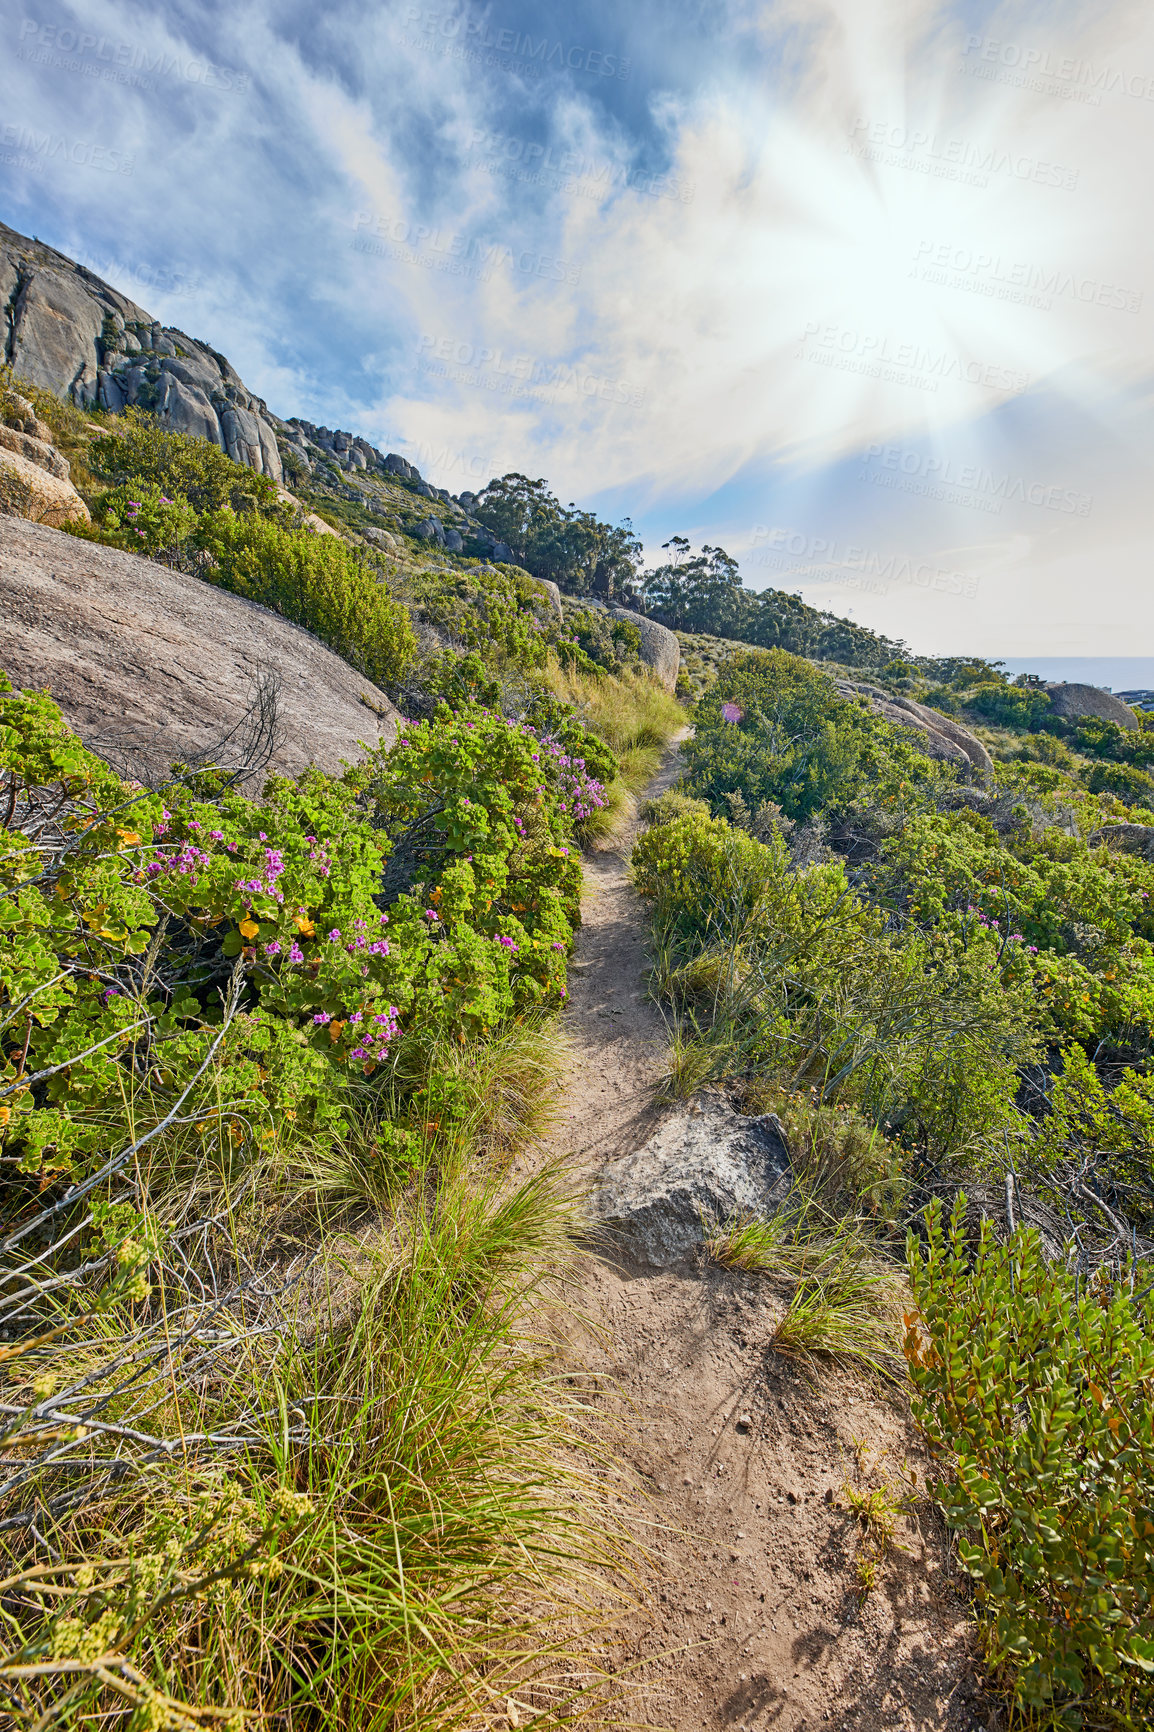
{"x": 1038, "y": 1388}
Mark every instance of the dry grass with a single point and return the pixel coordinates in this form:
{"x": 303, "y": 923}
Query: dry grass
{"x": 637, "y": 718}
{"x": 320, "y": 1469}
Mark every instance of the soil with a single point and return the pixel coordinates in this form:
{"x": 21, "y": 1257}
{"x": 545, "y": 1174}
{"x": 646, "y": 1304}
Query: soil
{"x": 735, "y": 1463}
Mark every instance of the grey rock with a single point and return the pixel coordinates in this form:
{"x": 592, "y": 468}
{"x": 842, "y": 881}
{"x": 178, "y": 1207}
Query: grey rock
{"x": 384, "y": 538}
{"x": 660, "y": 649}
{"x": 554, "y": 594}
{"x": 159, "y": 665}
{"x": 430, "y": 529}
{"x": 502, "y": 554}
{"x": 698, "y": 1168}
{"x": 70, "y": 332}
{"x": 1127, "y": 838}
{"x": 55, "y": 329}
{"x": 1072, "y": 701}
{"x": 396, "y": 465}
{"x": 453, "y": 541}
{"x": 186, "y": 409}
{"x": 37, "y": 451}
{"x": 944, "y": 738}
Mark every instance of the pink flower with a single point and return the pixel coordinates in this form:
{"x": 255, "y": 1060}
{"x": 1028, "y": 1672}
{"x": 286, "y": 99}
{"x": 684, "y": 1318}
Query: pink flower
{"x": 732, "y": 712}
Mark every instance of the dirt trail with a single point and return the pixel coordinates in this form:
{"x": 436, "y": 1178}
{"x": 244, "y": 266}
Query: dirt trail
{"x": 734, "y": 1462}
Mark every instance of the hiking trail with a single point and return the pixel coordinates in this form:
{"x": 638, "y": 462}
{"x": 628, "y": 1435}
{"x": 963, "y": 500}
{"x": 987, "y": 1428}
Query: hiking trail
{"x": 735, "y": 1461}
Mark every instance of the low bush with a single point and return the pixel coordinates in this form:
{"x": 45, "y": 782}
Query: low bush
{"x": 1037, "y": 1386}
{"x": 773, "y": 729}
{"x": 180, "y": 465}
{"x": 793, "y": 976}
{"x": 317, "y": 581}
{"x": 430, "y": 894}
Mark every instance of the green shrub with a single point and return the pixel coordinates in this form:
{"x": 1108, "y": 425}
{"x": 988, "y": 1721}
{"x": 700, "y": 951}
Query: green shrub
{"x": 317, "y": 581}
{"x": 143, "y": 519}
{"x": 795, "y": 977}
{"x": 180, "y": 465}
{"x": 476, "y": 812}
{"x": 1038, "y": 1387}
{"x": 772, "y": 728}
{"x": 1018, "y": 707}
{"x": 1125, "y": 780}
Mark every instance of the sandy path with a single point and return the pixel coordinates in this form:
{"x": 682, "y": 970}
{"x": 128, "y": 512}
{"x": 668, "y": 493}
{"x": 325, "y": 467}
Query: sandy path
{"x": 735, "y": 1463}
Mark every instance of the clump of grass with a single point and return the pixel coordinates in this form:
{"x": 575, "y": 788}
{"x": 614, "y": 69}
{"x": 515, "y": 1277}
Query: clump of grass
{"x": 632, "y": 713}
{"x": 846, "y": 1305}
{"x": 835, "y": 1151}
{"x": 749, "y": 1244}
{"x": 847, "y": 1310}
{"x": 696, "y": 1057}
{"x": 396, "y": 1533}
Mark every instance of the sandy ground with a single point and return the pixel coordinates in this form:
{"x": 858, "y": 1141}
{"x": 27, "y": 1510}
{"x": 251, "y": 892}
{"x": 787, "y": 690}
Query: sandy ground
{"x": 735, "y": 1463}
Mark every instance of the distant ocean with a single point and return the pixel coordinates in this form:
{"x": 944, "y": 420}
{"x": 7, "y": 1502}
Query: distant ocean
{"x": 1115, "y": 673}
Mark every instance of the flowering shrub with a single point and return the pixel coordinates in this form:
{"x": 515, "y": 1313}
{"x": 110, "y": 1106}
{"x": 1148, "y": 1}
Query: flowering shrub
{"x": 125, "y": 913}
{"x": 144, "y": 519}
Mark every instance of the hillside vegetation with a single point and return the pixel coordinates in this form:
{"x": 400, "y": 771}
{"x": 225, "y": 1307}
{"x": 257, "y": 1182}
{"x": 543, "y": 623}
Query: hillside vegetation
{"x": 945, "y": 990}
{"x": 285, "y": 1441}
{"x": 281, "y": 1428}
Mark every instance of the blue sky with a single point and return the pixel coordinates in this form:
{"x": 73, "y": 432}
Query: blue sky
{"x": 860, "y": 289}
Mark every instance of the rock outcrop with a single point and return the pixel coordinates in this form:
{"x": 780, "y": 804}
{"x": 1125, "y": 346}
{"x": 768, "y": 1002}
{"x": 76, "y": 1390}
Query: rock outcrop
{"x": 944, "y": 737}
{"x": 1126, "y": 838}
{"x": 553, "y": 591}
{"x": 699, "y": 1170}
{"x": 29, "y": 490}
{"x": 660, "y": 650}
{"x": 1073, "y": 701}
{"x": 69, "y": 332}
{"x": 149, "y": 666}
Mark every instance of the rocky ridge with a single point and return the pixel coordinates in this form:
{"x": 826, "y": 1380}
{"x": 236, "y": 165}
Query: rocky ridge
{"x": 68, "y": 331}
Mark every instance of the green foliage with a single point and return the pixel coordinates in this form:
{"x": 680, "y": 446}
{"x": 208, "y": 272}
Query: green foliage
{"x": 1116, "y": 1123}
{"x": 569, "y": 546}
{"x": 181, "y": 465}
{"x": 1039, "y": 1387}
{"x": 317, "y": 581}
{"x": 125, "y": 913}
{"x": 145, "y": 520}
{"x": 1130, "y": 784}
{"x": 794, "y": 976}
{"x": 703, "y": 593}
{"x": 497, "y": 613}
{"x": 1021, "y": 707}
{"x": 1075, "y": 921}
{"x": 772, "y": 728}
{"x": 604, "y": 642}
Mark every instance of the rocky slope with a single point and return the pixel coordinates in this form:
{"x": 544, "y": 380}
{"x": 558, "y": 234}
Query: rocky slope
{"x": 149, "y": 666}
{"x": 68, "y": 331}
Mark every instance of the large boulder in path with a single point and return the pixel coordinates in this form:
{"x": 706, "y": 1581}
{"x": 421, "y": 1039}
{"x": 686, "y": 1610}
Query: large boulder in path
{"x": 1073, "y": 701}
{"x": 698, "y": 1170}
{"x": 943, "y": 737}
{"x": 149, "y": 666}
{"x": 33, "y": 492}
{"x": 660, "y": 650}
